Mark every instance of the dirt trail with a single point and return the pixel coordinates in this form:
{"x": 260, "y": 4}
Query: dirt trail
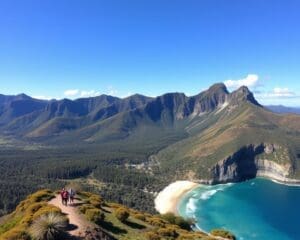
{"x": 77, "y": 222}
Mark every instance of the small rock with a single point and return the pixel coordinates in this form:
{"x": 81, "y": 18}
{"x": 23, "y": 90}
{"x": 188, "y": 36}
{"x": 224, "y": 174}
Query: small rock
{"x": 269, "y": 148}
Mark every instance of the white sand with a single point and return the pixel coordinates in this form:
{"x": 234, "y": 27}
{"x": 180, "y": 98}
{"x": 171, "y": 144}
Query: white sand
{"x": 167, "y": 200}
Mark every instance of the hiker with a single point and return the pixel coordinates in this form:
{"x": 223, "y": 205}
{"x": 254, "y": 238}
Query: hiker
{"x": 64, "y": 195}
{"x": 71, "y": 196}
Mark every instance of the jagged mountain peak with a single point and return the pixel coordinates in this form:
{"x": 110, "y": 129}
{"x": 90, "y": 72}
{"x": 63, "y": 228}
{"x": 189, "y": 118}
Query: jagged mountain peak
{"x": 243, "y": 94}
{"x": 167, "y": 110}
{"x": 218, "y": 87}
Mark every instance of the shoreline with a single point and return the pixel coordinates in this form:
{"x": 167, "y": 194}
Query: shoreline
{"x": 168, "y": 199}
{"x": 271, "y": 177}
{"x": 284, "y": 181}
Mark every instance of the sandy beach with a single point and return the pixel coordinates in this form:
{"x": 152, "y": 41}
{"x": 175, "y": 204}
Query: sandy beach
{"x": 167, "y": 200}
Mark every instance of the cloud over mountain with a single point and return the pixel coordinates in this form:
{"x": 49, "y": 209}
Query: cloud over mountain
{"x": 251, "y": 80}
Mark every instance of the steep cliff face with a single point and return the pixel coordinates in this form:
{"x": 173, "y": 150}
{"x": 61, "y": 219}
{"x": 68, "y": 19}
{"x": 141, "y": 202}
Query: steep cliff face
{"x": 252, "y": 161}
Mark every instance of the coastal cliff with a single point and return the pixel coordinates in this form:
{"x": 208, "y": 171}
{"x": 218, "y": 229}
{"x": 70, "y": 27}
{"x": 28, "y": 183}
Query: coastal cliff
{"x": 262, "y": 160}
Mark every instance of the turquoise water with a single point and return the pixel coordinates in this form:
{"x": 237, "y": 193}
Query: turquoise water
{"x": 255, "y": 209}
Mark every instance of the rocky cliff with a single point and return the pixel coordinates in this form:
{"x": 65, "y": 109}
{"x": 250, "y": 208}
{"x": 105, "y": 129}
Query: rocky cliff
{"x": 252, "y": 161}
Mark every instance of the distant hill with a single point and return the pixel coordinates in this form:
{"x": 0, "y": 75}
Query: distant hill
{"x": 12, "y": 107}
{"x": 87, "y": 117}
{"x": 283, "y": 109}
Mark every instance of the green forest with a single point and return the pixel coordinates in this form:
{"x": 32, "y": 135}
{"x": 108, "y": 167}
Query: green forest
{"x": 25, "y": 171}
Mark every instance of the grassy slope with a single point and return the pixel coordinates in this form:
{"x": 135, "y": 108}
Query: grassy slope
{"x": 15, "y": 225}
{"x": 246, "y": 125}
{"x": 138, "y": 226}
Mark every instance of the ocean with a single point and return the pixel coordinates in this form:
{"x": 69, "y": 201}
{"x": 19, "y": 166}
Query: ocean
{"x": 254, "y": 209}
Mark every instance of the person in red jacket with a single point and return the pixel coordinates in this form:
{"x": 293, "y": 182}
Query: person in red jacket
{"x": 64, "y": 196}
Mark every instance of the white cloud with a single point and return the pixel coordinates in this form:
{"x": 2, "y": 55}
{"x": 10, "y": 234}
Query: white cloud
{"x": 112, "y": 91}
{"x": 278, "y": 93}
{"x": 91, "y": 93}
{"x": 71, "y": 92}
{"x": 279, "y": 96}
{"x": 128, "y": 94}
{"x": 42, "y": 97}
{"x": 250, "y": 81}
{"x": 282, "y": 92}
{"x": 78, "y": 93}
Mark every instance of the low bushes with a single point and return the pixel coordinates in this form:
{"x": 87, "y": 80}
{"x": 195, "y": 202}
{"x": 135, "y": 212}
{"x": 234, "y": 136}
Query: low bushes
{"x": 93, "y": 199}
{"x": 222, "y": 233}
{"x": 33, "y": 207}
{"x": 152, "y": 236}
{"x": 85, "y": 207}
{"x": 167, "y": 232}
{"x": 179, "y": 221}
{"x": 16, "y": 233}
{"x": 140, "y": 216}
{"x": 155, "y": 221}
{"x": 122, "y": 214}
{"x": 95, "y": 215}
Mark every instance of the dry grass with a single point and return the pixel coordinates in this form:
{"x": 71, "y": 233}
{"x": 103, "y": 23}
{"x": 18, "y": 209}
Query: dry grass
{"x": 50, "y": 226}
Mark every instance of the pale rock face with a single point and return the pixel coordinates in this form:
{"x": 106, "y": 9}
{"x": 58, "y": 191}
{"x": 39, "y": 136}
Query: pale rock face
{"x": 243, "y": 165}
{"x": 269, "y": 148}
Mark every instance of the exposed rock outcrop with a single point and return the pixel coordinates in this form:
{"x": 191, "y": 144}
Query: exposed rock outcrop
{"x": 246, "y": 164}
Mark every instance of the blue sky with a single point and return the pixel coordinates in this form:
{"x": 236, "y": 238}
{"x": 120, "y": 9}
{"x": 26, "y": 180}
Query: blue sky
{"x": 72, "y": 48}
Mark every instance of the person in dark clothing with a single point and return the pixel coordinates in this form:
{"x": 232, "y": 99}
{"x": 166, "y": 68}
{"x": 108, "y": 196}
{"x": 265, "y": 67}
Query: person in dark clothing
{"x": 64, "y": 196}
{"x": 71, "y": 195}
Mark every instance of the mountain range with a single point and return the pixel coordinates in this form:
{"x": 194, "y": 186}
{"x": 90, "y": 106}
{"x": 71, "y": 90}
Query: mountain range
{"x": 214, "y": 136}
{"x": 283, "y": 109}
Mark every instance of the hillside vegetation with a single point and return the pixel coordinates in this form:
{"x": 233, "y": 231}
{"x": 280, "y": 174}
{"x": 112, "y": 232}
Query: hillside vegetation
{"x": 105, "y": 219}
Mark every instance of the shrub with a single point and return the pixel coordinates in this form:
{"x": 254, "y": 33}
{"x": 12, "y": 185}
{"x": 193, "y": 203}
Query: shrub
{"x": 94, "y": 215}
{"x": 35, "y": 207}
{"x": 85, "y": 207}
{"x": 193, "y": 237}
{"x": 140, "y": 216}
{"x": 182, "y": 223}
{"x": 170, "y": 217}
{"x": 95, "y": 203}
{"x": 84, "y": 194}
{"x": 222, "y": 233}
{"x": 154, "y": 221}
{"x": 42, "y": 195}
{"x": 177, "y": 220}
{"x": 45, "y": 210}
{"x": 152, "y": 236}
{"x": 16, "y": 233}
{"x": 167, "y": 232}
{"x": 122, "y": 214}
{"x": 115, "y": 205}
{"x": 50, "y": 226}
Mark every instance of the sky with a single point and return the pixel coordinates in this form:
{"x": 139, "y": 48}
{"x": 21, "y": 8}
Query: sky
{"x": 71, "y": 48}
